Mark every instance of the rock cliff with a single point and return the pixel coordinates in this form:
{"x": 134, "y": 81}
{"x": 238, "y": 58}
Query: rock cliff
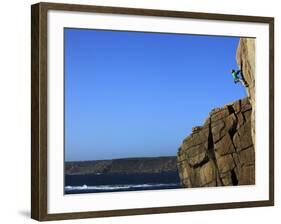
{"x": 245, "y": 57}
{"x": 221, "y": 152}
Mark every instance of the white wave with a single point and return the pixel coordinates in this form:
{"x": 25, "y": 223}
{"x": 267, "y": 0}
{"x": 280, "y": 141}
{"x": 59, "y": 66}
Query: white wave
{"x": 117, "y": 187}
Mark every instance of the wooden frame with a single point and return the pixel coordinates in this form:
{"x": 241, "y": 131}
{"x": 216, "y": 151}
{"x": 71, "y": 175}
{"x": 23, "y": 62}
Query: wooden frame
{"x": 39, "y": 110}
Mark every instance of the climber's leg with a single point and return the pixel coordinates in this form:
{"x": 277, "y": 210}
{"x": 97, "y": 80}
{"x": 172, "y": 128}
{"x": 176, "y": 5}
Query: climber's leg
{"x": 243, "y": 82}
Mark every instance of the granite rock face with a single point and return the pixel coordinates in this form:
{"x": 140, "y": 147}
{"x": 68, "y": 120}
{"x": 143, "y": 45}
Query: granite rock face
{"x": 220, "y": 152}
{"x": 245, "y": 57}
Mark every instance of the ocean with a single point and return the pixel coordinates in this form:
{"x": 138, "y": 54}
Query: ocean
{"x": 95, "y": 183}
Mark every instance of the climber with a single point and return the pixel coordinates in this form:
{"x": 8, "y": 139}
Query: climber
{"x": 237, "y": 79}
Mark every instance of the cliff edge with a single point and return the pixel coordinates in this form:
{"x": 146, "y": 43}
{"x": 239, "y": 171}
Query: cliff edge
{"x": 221, "y": 152}
{"x": 245, "y": 58}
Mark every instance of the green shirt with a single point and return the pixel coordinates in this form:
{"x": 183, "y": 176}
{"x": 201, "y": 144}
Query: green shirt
{"x": 235, "y": 74}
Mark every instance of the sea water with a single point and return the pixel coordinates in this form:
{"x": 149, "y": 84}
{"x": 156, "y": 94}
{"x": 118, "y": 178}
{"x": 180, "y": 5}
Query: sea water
{"x": 94, "y": 183}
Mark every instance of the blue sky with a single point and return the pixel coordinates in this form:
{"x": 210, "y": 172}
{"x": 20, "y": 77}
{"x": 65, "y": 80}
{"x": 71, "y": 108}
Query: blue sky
{"x": 136, "y": 94}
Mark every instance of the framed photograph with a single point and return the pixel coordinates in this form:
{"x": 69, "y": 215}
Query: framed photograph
{"x": 141, "y": 111}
